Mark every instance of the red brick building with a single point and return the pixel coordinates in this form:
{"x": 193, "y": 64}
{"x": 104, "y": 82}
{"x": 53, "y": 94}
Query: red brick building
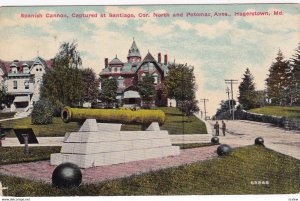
{"x": 134, "y": 69}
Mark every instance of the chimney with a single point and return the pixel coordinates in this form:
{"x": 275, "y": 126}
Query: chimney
{"x": 159, "y": 57}
{"x": 106, "y": 62}
{"x": 166, "y": 59}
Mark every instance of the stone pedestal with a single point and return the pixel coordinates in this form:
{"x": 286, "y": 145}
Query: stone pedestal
{"x": 98, "y": 144}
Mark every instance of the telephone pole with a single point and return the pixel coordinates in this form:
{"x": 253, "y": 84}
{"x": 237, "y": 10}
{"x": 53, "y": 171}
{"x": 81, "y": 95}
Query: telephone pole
{"x": 231, "y": 82}
{"x": 204, "y": 100}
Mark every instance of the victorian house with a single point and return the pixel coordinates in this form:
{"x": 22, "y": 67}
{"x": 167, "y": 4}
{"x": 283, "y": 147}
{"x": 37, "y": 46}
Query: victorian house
{"x": 129, "y": 73}
{"x": 23, "y": 79}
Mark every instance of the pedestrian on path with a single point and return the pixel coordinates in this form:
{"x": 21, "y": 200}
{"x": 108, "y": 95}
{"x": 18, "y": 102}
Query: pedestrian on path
{"x": 217, "y": 127}
{"x": 223, "y": 127}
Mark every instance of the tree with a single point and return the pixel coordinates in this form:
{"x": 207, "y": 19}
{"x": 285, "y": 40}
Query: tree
{"x": 248, "y": 96}
{"x": 91, "y": 86}
{"x": 147, "y": 91}
{"x": 224, "y": 109}
{"x": 278, "y": 81}
{"x": 5, "y": 99}
{"x": 295, "y": 78}
{"x": 63, "y": 85}
{"x": 109, "y": 91}
{"x": 180, "y": 83}
{"x": 189, "y": 107}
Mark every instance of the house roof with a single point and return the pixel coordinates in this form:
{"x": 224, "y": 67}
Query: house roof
{"x": 6, "y": 65}
{"x": 149, "y": 58}
{"x": 134, "y": 50}
{"x": 131, "y": 94}
{"x": 116, "y": 61}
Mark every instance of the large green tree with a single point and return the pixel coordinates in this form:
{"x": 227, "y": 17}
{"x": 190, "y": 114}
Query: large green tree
{"x": 63, "y": 84}
{"x": 147, "y": 91}
{"x": 108, "y": 93}
{"x": 91, "y": 86}
{"x": 247, "y": 94}
{"x": 294, "y": 88}
{"x": 180, "y": 83}
{"x": 278, "y": 81}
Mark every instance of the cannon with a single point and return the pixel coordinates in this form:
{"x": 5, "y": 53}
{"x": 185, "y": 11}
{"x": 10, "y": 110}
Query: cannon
{"x": 125, "y": 116}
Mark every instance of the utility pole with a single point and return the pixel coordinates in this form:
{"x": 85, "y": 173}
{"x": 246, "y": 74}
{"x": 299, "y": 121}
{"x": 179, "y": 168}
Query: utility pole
{"x": 228, "y": 92}
{"x": 231, "y": 82}
{"x": 204, "y": 101}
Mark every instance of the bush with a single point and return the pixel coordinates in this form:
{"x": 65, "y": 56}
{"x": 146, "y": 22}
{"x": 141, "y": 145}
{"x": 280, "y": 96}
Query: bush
{"x": 42, "y": 112}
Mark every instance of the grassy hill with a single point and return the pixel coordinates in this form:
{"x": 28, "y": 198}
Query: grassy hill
{"x": 289, "y": 112}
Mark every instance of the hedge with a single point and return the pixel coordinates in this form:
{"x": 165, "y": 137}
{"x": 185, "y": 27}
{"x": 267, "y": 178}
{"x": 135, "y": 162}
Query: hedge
{"x": 126, "y": 116}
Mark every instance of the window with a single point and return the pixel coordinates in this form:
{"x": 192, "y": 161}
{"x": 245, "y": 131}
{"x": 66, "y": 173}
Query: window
{"x": 120, "y": 81}
{"x": 116, "y": 69}
{"x": 26, "y": 83}
{"x": 155, "y": 76}
{"x": 15, "y": 84}
{"x": 37, "y": 69}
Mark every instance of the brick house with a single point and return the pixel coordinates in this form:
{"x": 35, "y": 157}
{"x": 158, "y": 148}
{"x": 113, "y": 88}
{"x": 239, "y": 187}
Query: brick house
{"x": 129, "y": 73}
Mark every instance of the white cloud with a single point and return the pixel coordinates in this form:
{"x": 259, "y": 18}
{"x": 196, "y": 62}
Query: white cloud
{"x": 18, "y": 21}
{"x": 206, "y": 30}
{"x": 282, "y": 23}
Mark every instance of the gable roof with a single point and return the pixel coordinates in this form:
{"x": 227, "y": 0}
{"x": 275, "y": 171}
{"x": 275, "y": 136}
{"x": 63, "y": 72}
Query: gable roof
{"x": 149, "y": 58}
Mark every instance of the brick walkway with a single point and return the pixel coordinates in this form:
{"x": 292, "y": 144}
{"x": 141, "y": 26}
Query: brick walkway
{"x": 42, "y": 170}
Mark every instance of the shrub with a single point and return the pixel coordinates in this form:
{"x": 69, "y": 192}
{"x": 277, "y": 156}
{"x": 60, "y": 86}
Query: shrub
{"x": 42, "y": 112}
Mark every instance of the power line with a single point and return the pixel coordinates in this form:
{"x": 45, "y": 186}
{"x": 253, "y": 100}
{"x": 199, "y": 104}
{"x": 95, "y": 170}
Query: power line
{"x": 231, "y": 82}
{"x": 204, "y": 101}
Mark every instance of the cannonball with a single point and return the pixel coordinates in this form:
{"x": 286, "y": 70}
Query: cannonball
{"x": 223, "y": 150}
{"x": 66, "y": 175}
{"x": 259, "y": 141}
{"x": 215, "y": 140}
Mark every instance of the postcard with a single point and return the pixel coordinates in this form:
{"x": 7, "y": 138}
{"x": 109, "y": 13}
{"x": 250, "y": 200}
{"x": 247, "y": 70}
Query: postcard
{"x": 150, "y": 100}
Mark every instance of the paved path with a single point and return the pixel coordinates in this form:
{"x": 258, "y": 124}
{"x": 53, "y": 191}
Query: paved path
{"x": 242, "y": 133}
{"x": 42, "y": 170}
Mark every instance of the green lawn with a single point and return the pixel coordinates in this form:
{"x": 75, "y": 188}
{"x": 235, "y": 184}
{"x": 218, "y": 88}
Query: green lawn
{"x": 9, "y": 155}
{"x": 289, "y": 112}
{"x": 7, "y": 115}
{"x": 223, "y": 175}
{"x": 58, "y": 128}
{"x": 176, "y": 123}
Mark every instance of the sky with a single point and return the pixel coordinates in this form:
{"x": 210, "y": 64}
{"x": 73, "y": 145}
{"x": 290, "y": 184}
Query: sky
{"x": 219, "y": 47}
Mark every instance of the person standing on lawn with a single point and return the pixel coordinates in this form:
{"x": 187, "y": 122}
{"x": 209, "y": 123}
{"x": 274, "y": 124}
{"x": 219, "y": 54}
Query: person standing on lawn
{"x": 223, "y": 127}
{"x": 217, "y": 127}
